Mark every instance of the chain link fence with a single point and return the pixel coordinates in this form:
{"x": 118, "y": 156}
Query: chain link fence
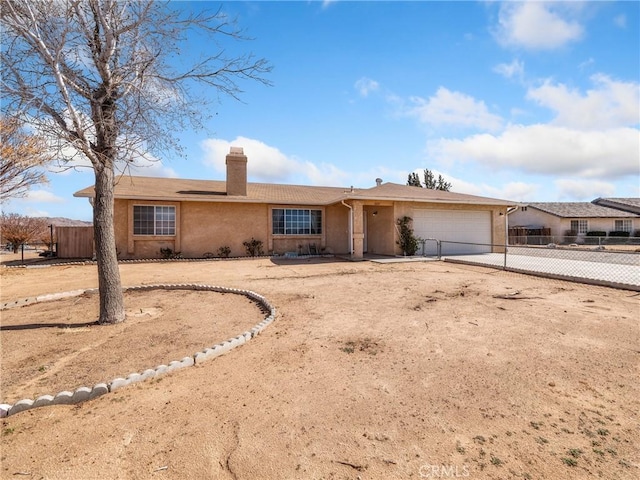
{"x": 615, "y": 240}
{"x": 596, "y": 264}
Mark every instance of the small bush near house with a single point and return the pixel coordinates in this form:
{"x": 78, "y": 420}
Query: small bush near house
{"x": 224, "y": 252}
{"x": 169, "y": 253}
{"x": 408, "y": 242}
{"x": 619, "y": 233}
{"x": 570, "y": 236}
{"x": 253, "y": 247}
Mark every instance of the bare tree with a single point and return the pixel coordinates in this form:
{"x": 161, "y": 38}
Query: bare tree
{"x": 48, "y": 236}
{"x": 18, "y": 229}
{"x": 106, "y": 78}
{"x": 430, "y": 181}
{"x": 21, "y": 157}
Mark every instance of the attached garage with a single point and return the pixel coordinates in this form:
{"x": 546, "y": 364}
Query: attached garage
{"x": 462, "y": 226}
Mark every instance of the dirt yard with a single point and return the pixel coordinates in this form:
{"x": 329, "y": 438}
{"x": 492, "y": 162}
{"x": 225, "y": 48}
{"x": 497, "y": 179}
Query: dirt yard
{"x": 371, "y": 371}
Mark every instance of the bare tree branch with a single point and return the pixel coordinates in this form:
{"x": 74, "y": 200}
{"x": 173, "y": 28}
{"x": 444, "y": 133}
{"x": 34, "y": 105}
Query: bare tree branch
{"x": 104, "y": 78}
{"x": 21, "y": 156}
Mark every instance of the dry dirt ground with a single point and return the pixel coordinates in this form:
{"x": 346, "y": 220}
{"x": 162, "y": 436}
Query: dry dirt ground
{"x": 371, "y": 371}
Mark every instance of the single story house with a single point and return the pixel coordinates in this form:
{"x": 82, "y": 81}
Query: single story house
{"x": 559, "y": 218}
{"x": 198, "y": 217}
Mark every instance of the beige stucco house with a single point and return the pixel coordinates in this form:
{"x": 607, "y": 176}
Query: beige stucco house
{"x": 197, "y": 217}
{"x": 578, "y": 217}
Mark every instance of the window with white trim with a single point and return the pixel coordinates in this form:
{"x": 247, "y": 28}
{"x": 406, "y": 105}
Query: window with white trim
{"x": 623, "y": 225}
{"x": 580, "y": 226}
{"x": 296, "y": 221}
{"x": 154, "y": 220}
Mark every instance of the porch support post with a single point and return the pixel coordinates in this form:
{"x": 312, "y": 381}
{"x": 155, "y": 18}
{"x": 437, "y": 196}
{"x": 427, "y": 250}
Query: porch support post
{"x": 358, "y": 230}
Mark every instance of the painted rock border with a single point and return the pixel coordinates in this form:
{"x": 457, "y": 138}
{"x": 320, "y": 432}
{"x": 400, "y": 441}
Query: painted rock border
{"x": 83, "y": 394}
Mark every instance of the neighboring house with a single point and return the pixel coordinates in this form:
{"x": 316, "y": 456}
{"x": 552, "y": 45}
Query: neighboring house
{"x": 631, "y": 205}
{"x": 195, "y": 217}
{"x": 578, "y": 217}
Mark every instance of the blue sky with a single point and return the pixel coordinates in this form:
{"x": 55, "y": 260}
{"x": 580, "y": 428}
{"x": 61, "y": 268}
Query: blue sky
{"x": 526, "y": 101}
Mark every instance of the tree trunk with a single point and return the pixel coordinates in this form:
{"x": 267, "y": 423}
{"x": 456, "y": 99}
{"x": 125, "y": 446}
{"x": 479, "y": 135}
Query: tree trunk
{"x": 110, "y": 286}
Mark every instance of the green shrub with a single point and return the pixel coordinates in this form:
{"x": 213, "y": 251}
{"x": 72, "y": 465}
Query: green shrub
{"x": 408, "y": 242}
{"x": 619, "y": 233}
{"x": 224, "y": 251}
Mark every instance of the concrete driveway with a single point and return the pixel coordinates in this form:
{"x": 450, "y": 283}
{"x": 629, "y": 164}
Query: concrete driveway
{"x": 619, "y": 270}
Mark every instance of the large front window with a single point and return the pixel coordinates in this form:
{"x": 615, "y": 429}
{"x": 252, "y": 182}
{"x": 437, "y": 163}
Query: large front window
{"x": 580, "y": 226}
{"x": 296, "y": 221}
{"x": 623, "y": 225}
{"x": 154, "y": 220}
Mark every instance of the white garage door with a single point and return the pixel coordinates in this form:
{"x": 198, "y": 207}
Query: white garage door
{"x": 464, "y": 226}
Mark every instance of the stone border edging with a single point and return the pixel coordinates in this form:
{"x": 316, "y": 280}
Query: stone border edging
{"x": 161, "y": 260}
{"x": 83, "y": 394}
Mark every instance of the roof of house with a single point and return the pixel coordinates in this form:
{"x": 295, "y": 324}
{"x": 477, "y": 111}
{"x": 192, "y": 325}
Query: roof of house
{"x": 173, "y": 189}
{"x": 625, "y": 204}
{"x": 580, "y": 210}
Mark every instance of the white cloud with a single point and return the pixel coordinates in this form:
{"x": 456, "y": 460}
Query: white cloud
{"x": 149, "y": 166}
{"x": 44, "y": 203}
{"x": 454, "y": 109}
{"x": 586, "y": 64}
{"x": 269, "y": 164}
{"x": 365, "y": 86}
{"x": 43, "y": 196}
{"x": 32, "y": 212}
{"x": 462, "y": 186}
{"x": 547, "y": 149}
{"x": 537, "y": 25}
{"x": 510, "y": 70}
{"x": 142, "y": 163}
{"x": 516, "y": 191}
{"x": 266, "y": 163}
{"x": 620, "y": 21}
{"x": 325, "y": 174}
{"x": 609, "y": 104}
{"x": 583, "y": 189}
{"x": 69, "y": 160}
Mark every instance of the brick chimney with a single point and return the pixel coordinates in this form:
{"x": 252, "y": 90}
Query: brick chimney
{"x": 237, "y": 172}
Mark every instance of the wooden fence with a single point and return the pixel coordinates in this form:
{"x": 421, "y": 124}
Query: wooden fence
{"x": 75, "y": 242}
{"x": 529, "y": 236}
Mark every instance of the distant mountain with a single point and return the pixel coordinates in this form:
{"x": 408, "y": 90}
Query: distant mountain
{"x": 65, "y": 222}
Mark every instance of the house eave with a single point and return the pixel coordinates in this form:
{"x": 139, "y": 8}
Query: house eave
{"x": 487, "y": 202}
